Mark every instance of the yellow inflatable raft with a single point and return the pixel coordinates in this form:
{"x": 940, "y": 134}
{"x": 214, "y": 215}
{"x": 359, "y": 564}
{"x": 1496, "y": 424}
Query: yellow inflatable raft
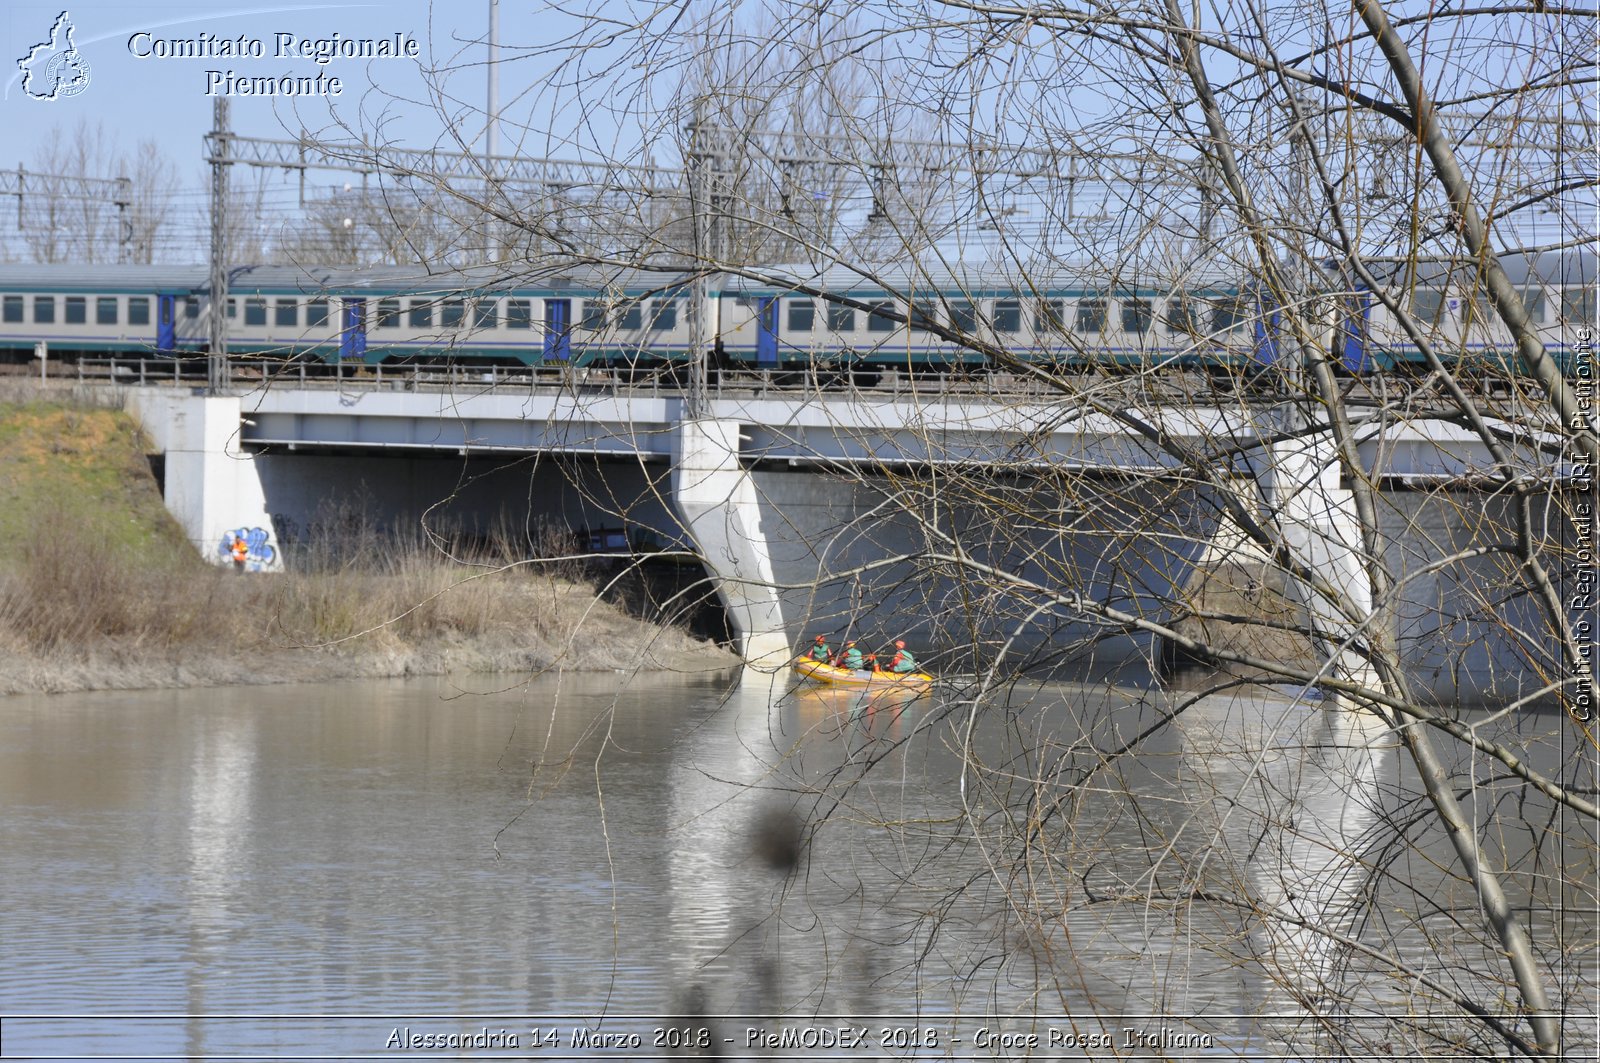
{"x": 845, "y": 677}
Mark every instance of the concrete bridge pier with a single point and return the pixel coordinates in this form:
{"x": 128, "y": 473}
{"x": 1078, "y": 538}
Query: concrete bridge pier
{"x": 1301, "y": 486}
{"x": 212, "y": 487}
{"x": 716, "y": 497}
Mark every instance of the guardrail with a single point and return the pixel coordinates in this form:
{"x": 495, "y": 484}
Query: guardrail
{"x": 875, "y": 385}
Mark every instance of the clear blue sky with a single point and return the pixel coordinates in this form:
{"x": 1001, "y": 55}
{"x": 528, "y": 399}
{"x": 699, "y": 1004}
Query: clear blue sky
{"x": 165, "y": 98}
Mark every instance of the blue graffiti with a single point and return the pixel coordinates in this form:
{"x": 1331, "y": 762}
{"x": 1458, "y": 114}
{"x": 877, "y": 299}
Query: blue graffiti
{"x": 259, "y": 553}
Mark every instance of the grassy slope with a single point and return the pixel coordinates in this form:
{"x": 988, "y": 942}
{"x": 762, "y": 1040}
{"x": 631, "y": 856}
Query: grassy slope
{"x": 99, "y": 589}
{"x": 83, "y": 471}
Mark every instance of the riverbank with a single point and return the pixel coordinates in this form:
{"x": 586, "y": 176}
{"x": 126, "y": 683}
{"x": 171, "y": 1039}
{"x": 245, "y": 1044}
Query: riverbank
{"x": 100, "y": 590}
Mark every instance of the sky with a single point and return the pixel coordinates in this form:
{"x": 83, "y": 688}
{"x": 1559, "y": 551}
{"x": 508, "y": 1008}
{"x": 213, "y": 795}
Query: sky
{"x": 135, "y": 93}
{"x": 116, "y": 83}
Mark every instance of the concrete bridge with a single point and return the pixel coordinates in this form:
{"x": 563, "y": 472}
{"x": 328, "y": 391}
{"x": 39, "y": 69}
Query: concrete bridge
{"x": 811, "y": 509}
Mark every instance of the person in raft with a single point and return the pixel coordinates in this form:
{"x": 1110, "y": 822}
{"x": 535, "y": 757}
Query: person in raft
{"x": 851, "y": 658}
{"x": 821, "y": 651}
{"x": 902, "y": 661}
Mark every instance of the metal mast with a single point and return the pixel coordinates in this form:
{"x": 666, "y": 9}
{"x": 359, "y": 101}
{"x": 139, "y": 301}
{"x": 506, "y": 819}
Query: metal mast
{"x": 217, "y": 156}
{"x": 491, "y": 136}
{"x": 705, "y": 252}
{"x": 491, "y": 131}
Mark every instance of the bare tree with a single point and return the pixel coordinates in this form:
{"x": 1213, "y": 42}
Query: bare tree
{"x": 1268, "y": 175}
{"x": 88, "y": 202}
{"x": 153, "y": 183}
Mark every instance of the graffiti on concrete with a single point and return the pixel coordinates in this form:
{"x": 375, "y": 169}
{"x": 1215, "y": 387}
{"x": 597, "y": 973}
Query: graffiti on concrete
{"x": 259, "y": 553}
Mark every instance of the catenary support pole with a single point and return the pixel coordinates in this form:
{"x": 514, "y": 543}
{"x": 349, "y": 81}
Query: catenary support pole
{"x": 217, "y": 375}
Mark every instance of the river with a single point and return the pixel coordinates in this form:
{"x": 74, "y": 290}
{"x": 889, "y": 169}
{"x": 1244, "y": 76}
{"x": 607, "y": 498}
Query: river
{"x": 420, "y": 869}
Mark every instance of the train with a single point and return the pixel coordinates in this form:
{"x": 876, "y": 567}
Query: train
{"x": 778, "y": 319}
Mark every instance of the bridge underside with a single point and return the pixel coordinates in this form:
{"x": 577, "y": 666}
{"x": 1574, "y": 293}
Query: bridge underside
{"x": 991, "y": 564}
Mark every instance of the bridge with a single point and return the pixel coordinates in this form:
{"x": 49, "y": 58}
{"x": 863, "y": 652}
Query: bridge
{"x": 780, "y": 486}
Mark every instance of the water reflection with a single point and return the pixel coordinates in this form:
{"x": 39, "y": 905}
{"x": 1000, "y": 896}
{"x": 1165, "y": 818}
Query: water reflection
{"x": 221, "y": 795}
{"x": 714, "y": 916}
{"x": 599, "y": 847}
{"x": 1287, "y": 799}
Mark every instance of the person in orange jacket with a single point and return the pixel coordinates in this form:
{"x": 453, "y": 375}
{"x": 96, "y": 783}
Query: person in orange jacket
{"x": 240, "y": 552}
{"x": 902, "y": 661}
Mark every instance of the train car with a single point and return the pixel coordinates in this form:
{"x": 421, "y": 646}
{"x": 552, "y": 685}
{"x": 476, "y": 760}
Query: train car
{"x": 370, "y": 316}
{"x": 794, "y": 319}
{"x": 1450, "y": 305}
{"x": 95, "y": 309}
{"x": 598, "y": 318}
{"x": 943, "y": 321}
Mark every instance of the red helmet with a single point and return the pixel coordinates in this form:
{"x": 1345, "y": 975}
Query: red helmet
{"x": 899, "y": 645}
{"x": 819, "y": 638}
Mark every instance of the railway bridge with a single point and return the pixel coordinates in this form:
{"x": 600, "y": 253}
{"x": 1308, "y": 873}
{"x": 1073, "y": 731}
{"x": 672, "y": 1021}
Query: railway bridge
{"x": 809, "y": 508}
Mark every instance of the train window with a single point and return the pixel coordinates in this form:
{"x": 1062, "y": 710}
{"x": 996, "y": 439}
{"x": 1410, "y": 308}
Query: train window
{"x": 802, "y": 315}
{"x": 1136, "y": 315}
{"x": 964, "y": 317}
{"x": 486, "y": 313}
{"x": 316, "y": 313}
{"x": 233, "y": 308}
{"x": 388, "y": 314}
{"x": 631, "y": 318}
{"x": 1050, "y": 316}
{"x": 286, "y": 313}
{"x": 1091, "y": 315}
{"x": 421, "y": 315}
{"x": 1533, "y": 300}
{"x": 1478, "y": 310}
{"x": 44, "y": 310}
{"x": 138, "y": 310}
{"x": 1228, "y": 313}
{"x": 1578, "y": 306}
{"x": 924, "y": 316}
{"x": 105, "y": 310}
{"x": 77, "y": 310}
{"x": 1181, "y": 315}
{"x": 1428, "y": 304}
{"x": 841, "y": 318}
{"x": 519, "y": 313}
{"x": 191, "y": 307}
{"x": 1008, "y": 315}
{"x": 255, "y": 312}
{"x": 878, "y": 319}
{"x": 452, "y": 313}
{"x": 13, "y": 310}
{"x": 594, "y": 315}
{"x": 665, "y": 317}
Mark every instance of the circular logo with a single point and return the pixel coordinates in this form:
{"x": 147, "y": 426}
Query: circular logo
{"x": 67, "y": 73}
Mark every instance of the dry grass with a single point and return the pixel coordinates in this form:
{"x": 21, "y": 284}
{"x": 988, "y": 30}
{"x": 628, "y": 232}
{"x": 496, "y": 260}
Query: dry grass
{"x": 99, "y": 590}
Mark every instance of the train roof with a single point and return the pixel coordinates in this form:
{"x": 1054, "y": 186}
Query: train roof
{"x": 288, "y": 279}
{"x": 973, "y": 279}
{"x": 1573, "y": 267}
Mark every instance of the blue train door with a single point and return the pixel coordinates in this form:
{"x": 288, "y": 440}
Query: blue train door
{"x": 1267, "y": 327}
{"x": 557, "y": 330}
{"x": 353, "y": 336}
{"x": 767, "y": 333}
{"x": 1354, "y": 334}
{"x": 166, "y": 322}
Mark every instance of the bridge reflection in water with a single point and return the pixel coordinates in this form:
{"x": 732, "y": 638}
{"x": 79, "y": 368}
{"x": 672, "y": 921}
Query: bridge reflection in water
{"x": 621, "y": 850}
